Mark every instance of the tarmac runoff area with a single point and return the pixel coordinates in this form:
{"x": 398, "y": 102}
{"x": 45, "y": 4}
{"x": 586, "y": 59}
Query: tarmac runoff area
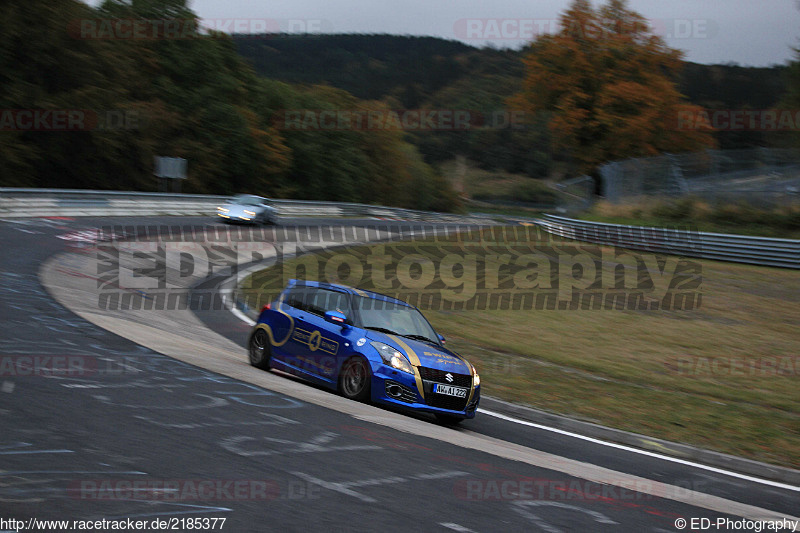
{"x": 181, "y": 335}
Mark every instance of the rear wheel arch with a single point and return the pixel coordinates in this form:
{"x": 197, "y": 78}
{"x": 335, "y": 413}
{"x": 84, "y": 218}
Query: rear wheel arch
{"x": 259, "y": 349}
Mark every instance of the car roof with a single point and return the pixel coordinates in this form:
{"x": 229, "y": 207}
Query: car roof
{"x": 344, "y": 288}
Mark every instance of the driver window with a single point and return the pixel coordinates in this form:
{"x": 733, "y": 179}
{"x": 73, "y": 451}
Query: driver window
{"x": 325, "y": 300}
{"x": 299, "y": 298}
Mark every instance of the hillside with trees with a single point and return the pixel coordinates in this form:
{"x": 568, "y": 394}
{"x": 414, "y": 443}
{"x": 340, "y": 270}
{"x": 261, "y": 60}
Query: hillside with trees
{"x": 216, "y": 100}
{"x": 184, "y": 95}
{"x": 413, "y": 72}
{"x": 352, "y": 61}
{"x": 607, "y": 86}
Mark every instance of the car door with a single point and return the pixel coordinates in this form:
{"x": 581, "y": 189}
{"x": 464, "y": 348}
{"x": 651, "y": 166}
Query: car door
{"x": 294, "y": 351}
{"x": 281, "y": 321}
{"x": 320, "y": 342}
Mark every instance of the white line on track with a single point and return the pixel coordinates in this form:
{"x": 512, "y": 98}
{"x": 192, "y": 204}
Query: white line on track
{"x": 241, "y": 316}
{"x": 456, "y": 527}
{"x": 643, "y": 452}
{"x": 26, "y": 452}
{"x": 28, "y": 472}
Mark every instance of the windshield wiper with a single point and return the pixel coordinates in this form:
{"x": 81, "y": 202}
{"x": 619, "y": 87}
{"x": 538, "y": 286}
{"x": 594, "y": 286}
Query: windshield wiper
{"x": 382, "y": 330}
{"x": 406, "y": 335}
{"x": 419, "y": 338}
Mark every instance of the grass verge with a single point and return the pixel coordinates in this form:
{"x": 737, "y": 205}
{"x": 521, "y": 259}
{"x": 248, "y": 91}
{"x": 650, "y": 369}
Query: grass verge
{"x": 724, "y": 375}
{"x": 739, "y": 219}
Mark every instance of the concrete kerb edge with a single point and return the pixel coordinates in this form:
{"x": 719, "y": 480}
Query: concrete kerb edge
{"x": 634, "y": 440}
{"x": 644, "y": 442}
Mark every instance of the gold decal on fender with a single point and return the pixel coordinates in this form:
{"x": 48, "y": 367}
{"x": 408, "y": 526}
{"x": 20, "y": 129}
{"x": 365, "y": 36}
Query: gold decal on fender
{"x": 315, "y": 341}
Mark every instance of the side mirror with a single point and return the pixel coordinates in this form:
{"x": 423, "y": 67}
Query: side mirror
{"x": 335, "y": 317}
{"x": 441, "y": 339}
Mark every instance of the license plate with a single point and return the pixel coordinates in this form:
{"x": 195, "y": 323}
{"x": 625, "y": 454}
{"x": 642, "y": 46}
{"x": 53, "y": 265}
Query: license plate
{"x": 449, "y": 390}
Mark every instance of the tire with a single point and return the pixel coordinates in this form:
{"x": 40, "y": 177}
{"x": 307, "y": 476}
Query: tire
{"x": 448, "y": 420}
{"x": 260, "y": 350}
{"x": 266, "y": 218}
{"x": 355, "y": 379}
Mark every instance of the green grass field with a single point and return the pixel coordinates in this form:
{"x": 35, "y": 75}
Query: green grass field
{"x": 724, "y": 375}
{"x": 740, "y": 219}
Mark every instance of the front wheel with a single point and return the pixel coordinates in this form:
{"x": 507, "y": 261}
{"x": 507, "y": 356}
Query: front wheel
{"x": 260, "y": 350}
{"x": 267, "y": 218}
{"x": 354, "y": 380}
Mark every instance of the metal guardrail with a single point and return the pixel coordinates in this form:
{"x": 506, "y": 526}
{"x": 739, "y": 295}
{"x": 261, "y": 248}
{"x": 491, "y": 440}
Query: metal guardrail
{"x": 78, "y": 202}
{"x": 764, "y": 251}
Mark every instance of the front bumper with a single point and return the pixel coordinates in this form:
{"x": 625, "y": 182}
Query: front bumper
{"x": 390, "y": 386}
{"x": 234, "y": 218}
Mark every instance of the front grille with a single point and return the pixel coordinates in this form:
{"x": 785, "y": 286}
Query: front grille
{"x": 445, "y": 402}
{"x": 438, "y": 376}
{"x": 406, "y": 395}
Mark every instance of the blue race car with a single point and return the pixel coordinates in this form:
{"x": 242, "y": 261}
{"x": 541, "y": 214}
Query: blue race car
{"x": 365, "y": 345}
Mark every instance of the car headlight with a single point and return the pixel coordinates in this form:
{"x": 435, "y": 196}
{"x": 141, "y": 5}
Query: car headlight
{"x": 476, "y": 379}
{"x": 222, "y": 210}
{"x": 392, "y": 357}
{"x": 251, "y": 213}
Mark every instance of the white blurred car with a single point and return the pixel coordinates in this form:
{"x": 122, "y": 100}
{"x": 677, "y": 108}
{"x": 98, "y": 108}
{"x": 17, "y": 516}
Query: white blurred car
{"x": 248, "y": 209}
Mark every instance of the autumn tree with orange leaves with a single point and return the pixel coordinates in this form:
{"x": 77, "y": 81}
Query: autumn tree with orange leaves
{"x": 606, "y": 84}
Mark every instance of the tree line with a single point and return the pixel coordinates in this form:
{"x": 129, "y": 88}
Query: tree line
{"x": 87, "y": 105}
{"x": 135, "y": 96}
{"x": 618, "y": 52}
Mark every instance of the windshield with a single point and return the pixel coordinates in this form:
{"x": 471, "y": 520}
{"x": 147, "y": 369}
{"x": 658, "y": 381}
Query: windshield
{"x": 246, "y": 200}
{"x": 394, "y": 318}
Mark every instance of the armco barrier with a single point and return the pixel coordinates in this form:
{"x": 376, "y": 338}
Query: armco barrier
{"x": 765, "y": 251}
{"x": 78, "y": 202}
{"x": 72, "y": 202}
{"x": 75, "y": 202}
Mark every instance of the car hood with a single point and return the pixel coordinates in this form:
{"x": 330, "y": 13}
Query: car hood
{"x": 238, "y": 210}
{"x": 428, "y": 355}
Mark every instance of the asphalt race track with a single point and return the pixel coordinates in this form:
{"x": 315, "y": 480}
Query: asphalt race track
{"x": 128, "y": 433}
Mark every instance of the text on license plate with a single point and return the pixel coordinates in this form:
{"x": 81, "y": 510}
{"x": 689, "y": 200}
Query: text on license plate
{"x": 449, "y": 390}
